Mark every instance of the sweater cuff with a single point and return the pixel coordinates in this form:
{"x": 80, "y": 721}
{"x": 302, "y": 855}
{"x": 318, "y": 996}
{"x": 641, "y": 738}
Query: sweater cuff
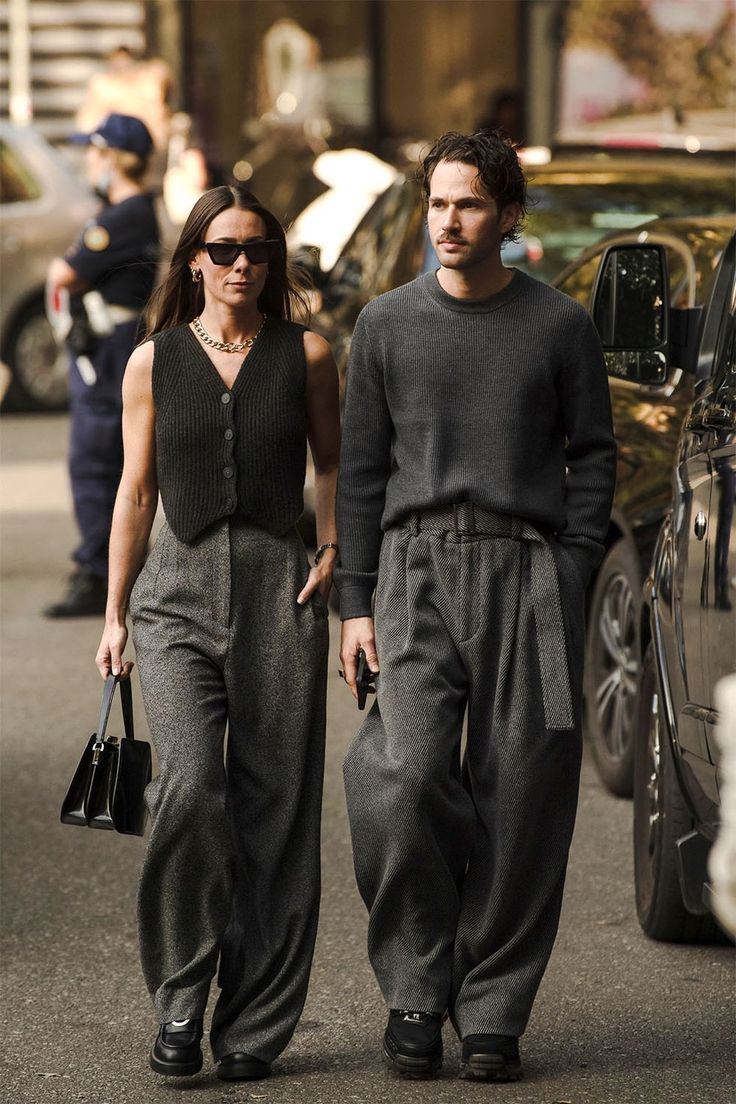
{"x": 585, "y": 553}
{"x": 355, "y": 601}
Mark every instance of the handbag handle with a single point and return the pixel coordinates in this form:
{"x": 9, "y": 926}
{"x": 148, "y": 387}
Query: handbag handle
{"x": 126, "y": 702}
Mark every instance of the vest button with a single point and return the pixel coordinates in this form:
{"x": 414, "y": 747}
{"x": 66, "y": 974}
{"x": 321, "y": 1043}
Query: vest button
{"x": 227, "y": 472}
{"x": 229, "y": 435}
{"x": 225, "y": 399}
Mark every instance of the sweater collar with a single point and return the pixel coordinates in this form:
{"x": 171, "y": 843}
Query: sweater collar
{"x": 430, "y": 284}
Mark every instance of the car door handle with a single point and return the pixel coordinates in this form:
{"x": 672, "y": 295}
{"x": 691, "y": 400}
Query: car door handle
{"x": 701, "y": 524}
{"x": 713, "y": 417}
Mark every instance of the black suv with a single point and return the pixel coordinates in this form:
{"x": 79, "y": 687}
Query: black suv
{"x": 688, "y": 623}
{"x": 651, "y": 394}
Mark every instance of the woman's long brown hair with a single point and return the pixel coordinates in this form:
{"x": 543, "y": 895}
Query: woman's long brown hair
{"x": 178, "y": 299}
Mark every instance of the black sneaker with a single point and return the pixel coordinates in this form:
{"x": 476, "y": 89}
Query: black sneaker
{"x": 86, "y": 596}
{"x": 490, "y": 1058}
{"x": 176, "y": 1052}
{"x": 412, "y": 1043}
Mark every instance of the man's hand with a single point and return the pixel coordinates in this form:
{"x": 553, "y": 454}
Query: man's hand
{"x": 357, "y": 633}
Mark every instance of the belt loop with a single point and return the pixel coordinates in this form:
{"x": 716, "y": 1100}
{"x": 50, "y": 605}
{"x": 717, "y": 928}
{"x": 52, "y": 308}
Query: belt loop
{"x": 464, "y": 515}
{"x": 414, "y": 522}
{"x": 454, "y": 519}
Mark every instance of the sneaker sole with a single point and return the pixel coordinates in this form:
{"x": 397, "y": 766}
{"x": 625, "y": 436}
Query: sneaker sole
{"x": 490, "y": 1067}
{"x": 175, "y": 1069}
{"x": 417, "y": 1069}
{"x": 243, "y": 1072}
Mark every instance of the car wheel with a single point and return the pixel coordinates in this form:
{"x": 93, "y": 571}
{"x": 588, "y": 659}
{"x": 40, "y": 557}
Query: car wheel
{"x": 39, "y": 368}
{"x": 612, "y": 667}
{"x": 661, "y": 817}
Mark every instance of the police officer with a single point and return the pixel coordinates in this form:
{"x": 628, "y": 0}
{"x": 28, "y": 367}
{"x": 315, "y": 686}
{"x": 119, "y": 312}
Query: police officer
{"x": 115, "y": 259}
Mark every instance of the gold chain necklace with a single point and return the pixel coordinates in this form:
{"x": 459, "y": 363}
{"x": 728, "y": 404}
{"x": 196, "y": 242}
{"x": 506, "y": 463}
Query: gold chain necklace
{"x": 226, "y": 346}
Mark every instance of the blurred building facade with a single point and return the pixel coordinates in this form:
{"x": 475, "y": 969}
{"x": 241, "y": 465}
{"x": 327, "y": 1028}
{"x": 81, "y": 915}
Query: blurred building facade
{"x": 377, "y": 69}
{"x": 372, "y": 73}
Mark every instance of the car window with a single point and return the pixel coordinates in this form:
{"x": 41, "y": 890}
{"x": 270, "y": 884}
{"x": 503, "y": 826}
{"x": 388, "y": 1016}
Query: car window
{"x": 371, "y": 253}
{"x": 707, "y": 249}
{"x": 572, "y": 211}
{"x": 680, "y": 280}
{"x": 17, "y": 185}
{"x": 579, "y": 283}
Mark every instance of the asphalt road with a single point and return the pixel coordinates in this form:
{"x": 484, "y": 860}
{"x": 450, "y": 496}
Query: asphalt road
{"x": 618, "y": 1020}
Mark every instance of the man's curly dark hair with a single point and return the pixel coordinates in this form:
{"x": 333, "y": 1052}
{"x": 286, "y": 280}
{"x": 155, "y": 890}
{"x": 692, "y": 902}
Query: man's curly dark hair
{"x": 497, "y": 162}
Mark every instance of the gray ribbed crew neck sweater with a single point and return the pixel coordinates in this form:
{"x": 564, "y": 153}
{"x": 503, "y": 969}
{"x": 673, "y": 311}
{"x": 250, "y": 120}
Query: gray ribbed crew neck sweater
{"x": 487, "y": 401}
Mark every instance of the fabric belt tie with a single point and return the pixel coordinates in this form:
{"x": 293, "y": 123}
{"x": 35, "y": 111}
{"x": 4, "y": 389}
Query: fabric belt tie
{"x": 467, "y": 519}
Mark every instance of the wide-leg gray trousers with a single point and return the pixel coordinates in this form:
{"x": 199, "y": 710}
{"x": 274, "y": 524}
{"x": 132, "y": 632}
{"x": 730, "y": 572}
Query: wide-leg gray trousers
{"x": 232, "y": 868}
{"x": 462, "y": 865}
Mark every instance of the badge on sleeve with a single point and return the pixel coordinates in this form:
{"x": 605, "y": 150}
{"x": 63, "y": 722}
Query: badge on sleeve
{"x": 96, "y": 238}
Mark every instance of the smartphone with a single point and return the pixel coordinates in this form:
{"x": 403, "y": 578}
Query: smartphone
{"x": 364, "y": 679}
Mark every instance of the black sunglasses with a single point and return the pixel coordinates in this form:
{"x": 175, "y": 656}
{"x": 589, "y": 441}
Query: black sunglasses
{"x": 226, "y": 253}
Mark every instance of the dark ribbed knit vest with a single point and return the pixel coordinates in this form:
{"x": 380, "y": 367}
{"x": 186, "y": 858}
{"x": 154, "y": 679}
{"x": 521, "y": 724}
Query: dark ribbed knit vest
{"x": 231, "y": 451}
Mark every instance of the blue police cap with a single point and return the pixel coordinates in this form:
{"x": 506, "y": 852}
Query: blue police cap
{"x": 120, "y": 132}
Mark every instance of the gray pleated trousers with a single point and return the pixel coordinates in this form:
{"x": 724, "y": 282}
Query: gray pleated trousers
{"x": 232, "y": 868}
{"x": 462, "y": 866}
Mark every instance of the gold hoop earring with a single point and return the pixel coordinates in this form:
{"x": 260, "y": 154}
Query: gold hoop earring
{"x": 196, "y": 275}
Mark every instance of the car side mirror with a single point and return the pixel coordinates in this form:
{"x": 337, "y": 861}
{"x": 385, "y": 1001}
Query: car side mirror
{"x": 631, "y": 312}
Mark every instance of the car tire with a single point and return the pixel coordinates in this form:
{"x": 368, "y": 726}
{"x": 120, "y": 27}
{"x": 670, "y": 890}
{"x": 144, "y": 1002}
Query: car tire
{"x": 661, "y": 817}
{"x": 612, "y": 667}
{"x": 39, "y": 368}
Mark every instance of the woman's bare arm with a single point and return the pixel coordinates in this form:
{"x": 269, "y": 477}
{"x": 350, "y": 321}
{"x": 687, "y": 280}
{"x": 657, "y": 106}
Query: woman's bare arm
{"x": 135, "y": 506}
{"x": 323, "y": 431}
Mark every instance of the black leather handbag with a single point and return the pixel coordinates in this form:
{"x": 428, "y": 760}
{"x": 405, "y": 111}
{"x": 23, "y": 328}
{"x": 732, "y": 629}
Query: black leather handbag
{"x": 106, "y": 790}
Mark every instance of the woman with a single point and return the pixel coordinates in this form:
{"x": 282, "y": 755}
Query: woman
{"x": 230, "y": 627}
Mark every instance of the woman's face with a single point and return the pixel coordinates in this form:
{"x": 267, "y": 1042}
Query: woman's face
{"x": 239, "y": 284}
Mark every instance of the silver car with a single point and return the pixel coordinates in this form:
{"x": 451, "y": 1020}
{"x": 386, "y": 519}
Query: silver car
{"x": 43, "y": 207}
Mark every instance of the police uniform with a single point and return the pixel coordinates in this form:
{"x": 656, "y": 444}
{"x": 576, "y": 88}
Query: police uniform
{"x": 116, "y": 255}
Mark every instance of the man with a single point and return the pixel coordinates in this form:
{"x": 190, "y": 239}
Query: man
{"x": 475, "y": 488}
{"x": 117, "y": 257}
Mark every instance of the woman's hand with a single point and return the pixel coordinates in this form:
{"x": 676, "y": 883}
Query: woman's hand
{"x": 109, "y": 658}
{"x": 320, "y": 578}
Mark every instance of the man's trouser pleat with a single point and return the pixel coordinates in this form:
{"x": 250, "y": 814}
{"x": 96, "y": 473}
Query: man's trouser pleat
{"x": 462, "y": 869}
{"x": 232, "y": 868}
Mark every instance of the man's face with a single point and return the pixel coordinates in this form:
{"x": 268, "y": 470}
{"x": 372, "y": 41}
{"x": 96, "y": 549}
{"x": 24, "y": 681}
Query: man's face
{"x": 463, "y": 220}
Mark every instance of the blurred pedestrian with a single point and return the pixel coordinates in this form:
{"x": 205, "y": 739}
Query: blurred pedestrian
{"x": 506, "y": 114}
{"x": 230, "y": 625}
{"x": 722, "y": 857}
{"x": 110, "y": 272}
{"x": 186, "y": 179}
{"x": 476, "y": 482}
{"x": 142, "y": 87}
